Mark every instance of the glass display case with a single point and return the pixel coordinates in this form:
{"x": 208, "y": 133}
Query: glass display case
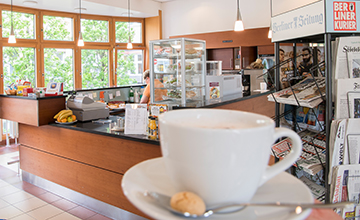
{"x": 177, "y": 71}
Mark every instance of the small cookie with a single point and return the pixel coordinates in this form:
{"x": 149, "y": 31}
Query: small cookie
{"x": 188, "y": 202}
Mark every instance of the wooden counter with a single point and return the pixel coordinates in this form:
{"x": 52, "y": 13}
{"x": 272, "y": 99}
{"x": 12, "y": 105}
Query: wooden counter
{"x": 35, "y": 112}
{"x": 89, "y": 159}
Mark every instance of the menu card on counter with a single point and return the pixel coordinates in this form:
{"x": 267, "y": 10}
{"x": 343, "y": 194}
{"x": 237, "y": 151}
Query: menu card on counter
{"x": 135, "y": 118}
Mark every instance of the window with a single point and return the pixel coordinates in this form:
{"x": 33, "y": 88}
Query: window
{"x": 122, "y": 32}
{"x": 129, "y": 67}
{"x": 23, "y": 24}
{"x": 95, "y": 30}
{"x": 95, "y": 68}
{"x": 58, "y": 65}
{"x": 19, "y": 63}
{"x": 57, "y": 28}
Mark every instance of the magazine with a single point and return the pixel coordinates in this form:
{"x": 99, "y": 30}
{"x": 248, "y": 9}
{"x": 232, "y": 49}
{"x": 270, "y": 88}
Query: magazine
{"x": 306, "y": 118}
{"x": 305, "y": 93}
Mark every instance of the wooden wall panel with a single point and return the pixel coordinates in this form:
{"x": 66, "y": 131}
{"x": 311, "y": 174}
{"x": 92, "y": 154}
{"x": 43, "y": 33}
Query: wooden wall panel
{"x": 259, "y": 105}
{"x": 249, "y": 37}
{"x": 115, "y": 154}
{"x": 48, "y": 108}
{"x": 267, "y": 49}
{"x": 20, "y": 110}
{"x": 97, "y": 183}
{"x": 153, "y": 31}
{"x": 34, "y": 112}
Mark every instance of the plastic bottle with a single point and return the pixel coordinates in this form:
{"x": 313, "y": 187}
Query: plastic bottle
{"x": 131, "y": 95}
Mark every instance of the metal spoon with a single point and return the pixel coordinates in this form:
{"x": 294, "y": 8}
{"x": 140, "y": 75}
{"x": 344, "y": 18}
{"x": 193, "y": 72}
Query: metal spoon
{"x": 164, "y": 201}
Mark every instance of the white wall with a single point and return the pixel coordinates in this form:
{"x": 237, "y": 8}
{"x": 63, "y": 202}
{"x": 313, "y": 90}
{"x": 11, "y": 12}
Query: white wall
{"x": 183, "y": 17}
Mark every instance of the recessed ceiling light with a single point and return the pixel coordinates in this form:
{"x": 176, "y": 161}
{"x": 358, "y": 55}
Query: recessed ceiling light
{"x": 126, "y": 14}
{"x": 30, "y": 2}
{"x": 78, "y": 9}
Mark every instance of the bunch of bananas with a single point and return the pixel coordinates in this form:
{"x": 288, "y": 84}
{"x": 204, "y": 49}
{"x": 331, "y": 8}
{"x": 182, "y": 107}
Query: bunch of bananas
{"x": 65, "y": 116}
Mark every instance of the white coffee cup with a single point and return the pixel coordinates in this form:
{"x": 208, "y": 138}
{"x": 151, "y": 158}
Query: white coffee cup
{"x": 221, "y": 155}
{"x": 263, "y": 86}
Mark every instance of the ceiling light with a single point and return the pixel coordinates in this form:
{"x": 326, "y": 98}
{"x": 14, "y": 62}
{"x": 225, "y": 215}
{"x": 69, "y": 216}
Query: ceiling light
{"x": 80, "y": 40}
{"x": 12, "y": 38}
{"x": 30, "y": 2}
{"x": 239, "y": 25}
{"x": 270, "y": 28}
{"x": 80, "y": 9}
{"x": 129, "y": 44}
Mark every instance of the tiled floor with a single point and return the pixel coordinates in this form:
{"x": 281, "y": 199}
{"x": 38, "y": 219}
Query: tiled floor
{"x": 20, "y": 200}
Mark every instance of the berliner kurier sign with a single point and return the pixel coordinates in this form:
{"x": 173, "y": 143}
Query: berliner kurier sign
{"x": 332, "y": 16}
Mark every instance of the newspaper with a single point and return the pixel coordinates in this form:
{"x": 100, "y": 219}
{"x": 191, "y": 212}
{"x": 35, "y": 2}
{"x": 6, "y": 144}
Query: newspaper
{"x": 345, "y": 187}
{"x": 343, "y": 87}
{"x": 346, "y": 52}
{"x": 353, "y": 142}
{"x": 313, "y": 164}
{"x": 337, "y": 143}
{"x": 317, "y": 191}
{"x": 306, "y": 91}
{"x": 313, "y": 152}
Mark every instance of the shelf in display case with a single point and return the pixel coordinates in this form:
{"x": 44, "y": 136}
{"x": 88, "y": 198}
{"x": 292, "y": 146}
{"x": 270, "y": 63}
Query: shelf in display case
{"x": 175, "y": 56}
{"x": 177, "y": 87}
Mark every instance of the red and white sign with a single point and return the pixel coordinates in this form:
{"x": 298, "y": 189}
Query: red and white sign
{"x": 344, "y": 16}
{"x": 155, "y": 61}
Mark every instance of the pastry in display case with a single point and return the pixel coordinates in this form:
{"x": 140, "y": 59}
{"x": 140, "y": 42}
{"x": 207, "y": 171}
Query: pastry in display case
{"x": 177, "y": 71}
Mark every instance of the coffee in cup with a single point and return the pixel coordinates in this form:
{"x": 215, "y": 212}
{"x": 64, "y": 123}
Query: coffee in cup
{"x": 221, "y": 155}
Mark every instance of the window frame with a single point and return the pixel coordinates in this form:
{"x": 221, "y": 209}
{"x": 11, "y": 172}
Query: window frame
{"x": 111, "y": 69}
{"x": 124, "y": 19}
{"x": 56, "y": 14}
{"x": 111, "y": 32}
{"x": 39, "y": 43}
{"x": 22, "y": 10}
{"x": 56, "y": 46}
{"x": 27, "y": 45}
{"x": 116, "y": 61}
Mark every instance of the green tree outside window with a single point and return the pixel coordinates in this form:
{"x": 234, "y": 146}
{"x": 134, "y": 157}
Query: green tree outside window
{"x": 95, "y": 68}
{"x": 57, "y": 28}
{"x": 23, "y": 24}
{"x": 19, "y": 63}
{"x": 58, "y": 65}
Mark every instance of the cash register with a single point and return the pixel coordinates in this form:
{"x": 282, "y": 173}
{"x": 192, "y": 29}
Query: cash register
{"x": 86, "y": 109}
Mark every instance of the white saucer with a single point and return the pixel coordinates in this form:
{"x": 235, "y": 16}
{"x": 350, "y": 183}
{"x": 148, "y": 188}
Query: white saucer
{"x": 150, "y": 175}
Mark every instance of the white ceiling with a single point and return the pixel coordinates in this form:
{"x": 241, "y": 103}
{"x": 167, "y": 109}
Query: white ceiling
{"x": 139, "y": 8}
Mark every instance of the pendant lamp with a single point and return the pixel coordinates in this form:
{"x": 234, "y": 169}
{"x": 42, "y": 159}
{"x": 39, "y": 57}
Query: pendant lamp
{"x": 12, "y": 38}
{"x": 239, "y": 25}
{"x": 129, "y": 44}
{"x": 81, "y": 40}
{"x": 270, "y": 28}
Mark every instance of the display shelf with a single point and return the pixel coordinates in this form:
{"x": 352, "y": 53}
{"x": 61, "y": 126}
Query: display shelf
{"x": 316, "y": 32}
{"x": 181, "y": 60}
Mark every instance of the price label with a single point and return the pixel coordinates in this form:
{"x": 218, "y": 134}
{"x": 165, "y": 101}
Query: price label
{"x": 111, "y": 96}
{"x": 118, "y": 93}
{"x": 155, "y": 61}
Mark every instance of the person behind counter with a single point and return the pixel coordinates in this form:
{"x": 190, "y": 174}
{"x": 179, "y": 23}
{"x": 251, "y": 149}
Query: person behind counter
{"x": 159, "y": 93}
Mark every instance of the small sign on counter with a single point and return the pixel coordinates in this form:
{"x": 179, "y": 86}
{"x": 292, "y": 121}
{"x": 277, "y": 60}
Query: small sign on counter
{"x": 135, "y": 119}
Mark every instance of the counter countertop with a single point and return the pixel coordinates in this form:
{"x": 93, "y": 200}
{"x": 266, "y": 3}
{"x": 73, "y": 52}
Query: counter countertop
{"x": 29, "y": 98}
{"x": 104, "y": 129}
